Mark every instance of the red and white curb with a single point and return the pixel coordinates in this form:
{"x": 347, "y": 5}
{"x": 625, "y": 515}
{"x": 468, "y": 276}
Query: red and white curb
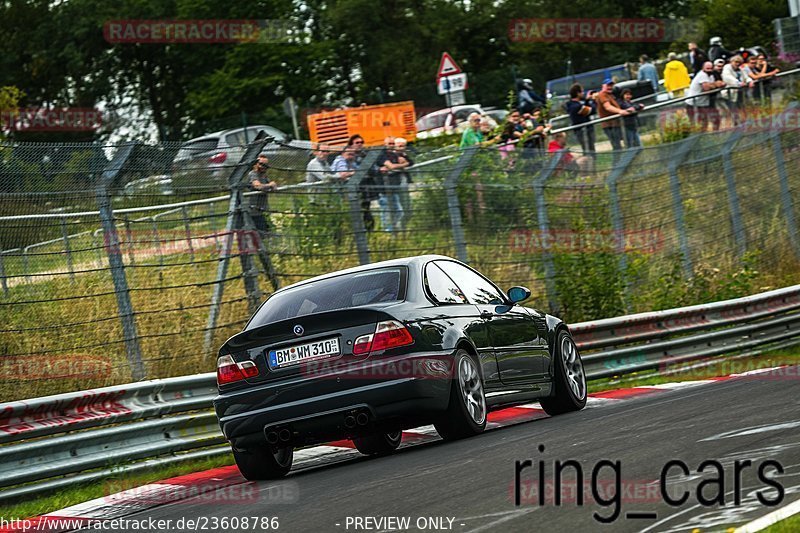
{"x": 212, "y": 485}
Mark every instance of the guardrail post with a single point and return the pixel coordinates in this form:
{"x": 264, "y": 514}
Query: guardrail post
{"x": 353, "y": 198}
{"x": 453, "y": 205}
{"x": 157, "y": 242}
{"x": 544, "y": 228}
{"x": 65, "y": 236}
{"x": 98, "y": 245}
{"x": 786, "y": 195}
{"x": 3, "y": 271}
{"x": 677, "y": 204}
{"x": 129, "y": 236}
{"x": 185, "y": 215}
{"x": 616, "y": 213}
{"x": 26, "y": 265}
{"x": 116, "y": 264}
{"x": 236, "y": 181}
{"x": 733, "y": 196}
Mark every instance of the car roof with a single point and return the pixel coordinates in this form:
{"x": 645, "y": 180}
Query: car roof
{"x": 451, "y": 109}
{"x": 416, "y": 260}
{"x": 221, "y": 133}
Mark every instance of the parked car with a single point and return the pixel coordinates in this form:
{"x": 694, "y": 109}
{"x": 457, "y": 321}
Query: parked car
{"x": 366, "y": 352}
{"x": 449, "y": 120}
{"x": 209, "y": 160}
{"x": 152, "y": 185}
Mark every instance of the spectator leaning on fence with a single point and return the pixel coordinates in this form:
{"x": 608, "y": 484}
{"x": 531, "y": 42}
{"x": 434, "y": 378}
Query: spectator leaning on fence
{"x": 699, "y": 108}
{"x": 735, "y": 83}
{"x": 714, "y": 115}
{"x": 768, "y": 72}
{"x": 404, "y": 161}
{"x": 632, "y": 120}
{"x": 318, "y": 170}
{"x": 648, "y": 72}
{"x": 580, "y": 111}
{"x": 607, "y": 106}
{"x": 258, "y": 181}
{"x": 391, "y": 209}
{"x": 676, "y": 77}
{"x": 472, "y": 135}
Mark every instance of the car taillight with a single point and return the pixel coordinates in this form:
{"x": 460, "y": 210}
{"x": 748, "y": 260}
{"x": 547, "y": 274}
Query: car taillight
{"x": 388, "y": 334}
{"x": 229, "y": 371}
{"x": 218, "y": 158}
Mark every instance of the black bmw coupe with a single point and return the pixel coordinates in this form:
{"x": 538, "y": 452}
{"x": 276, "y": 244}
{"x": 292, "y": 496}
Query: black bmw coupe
{"x": 366, "y": 352}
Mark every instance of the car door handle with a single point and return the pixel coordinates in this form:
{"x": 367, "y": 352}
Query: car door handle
{"x": 487, "y": 315}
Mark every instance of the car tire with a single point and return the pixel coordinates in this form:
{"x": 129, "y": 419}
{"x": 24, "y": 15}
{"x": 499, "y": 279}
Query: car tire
{"x": 467, "y": 410}
{"x": 379, "y": 444}
{"x": 569, "y": 379}
{"x": 264, "y": 462}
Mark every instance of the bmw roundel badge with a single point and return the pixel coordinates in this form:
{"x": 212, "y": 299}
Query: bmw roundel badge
{"x": 298, "y": 330}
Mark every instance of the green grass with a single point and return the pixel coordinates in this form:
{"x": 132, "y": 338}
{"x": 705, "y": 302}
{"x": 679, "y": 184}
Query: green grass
{"x": 498, "y": 204}
{"x": 790, "y": 525}
{"x": 717, "y": 366}
{"x": 97, "y": 489}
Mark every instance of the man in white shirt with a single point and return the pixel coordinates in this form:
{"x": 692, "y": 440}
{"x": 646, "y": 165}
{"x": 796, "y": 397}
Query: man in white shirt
{"x": 699, "y": 107}
{"x": 736, "y": 82}
{"x": 319, "y": 172}
{"x": 318, "y": 169}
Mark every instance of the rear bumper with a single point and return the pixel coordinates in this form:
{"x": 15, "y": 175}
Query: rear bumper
{"x": 393, "y": 392}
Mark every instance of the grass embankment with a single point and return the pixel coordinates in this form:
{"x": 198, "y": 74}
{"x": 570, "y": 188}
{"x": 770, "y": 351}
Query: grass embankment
{"x": 501, "y": 223}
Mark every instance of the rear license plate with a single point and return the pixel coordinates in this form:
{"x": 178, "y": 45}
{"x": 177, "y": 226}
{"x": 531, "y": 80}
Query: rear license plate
{"x": 294, "y": 355}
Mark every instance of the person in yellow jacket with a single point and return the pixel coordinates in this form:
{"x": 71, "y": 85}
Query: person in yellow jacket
{"x": 676, "y": 76}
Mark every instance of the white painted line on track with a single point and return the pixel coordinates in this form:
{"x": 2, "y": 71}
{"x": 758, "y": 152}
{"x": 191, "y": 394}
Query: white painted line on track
{"x": 772, "y": 518}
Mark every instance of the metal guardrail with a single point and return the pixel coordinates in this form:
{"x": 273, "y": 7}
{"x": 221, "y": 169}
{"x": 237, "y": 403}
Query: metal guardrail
{"x": 57, "y": 441}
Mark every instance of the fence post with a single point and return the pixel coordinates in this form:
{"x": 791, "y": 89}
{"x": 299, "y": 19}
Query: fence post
{"x": 786, "y": 195}
{"x": 544, "y": 230}
{"x": 116, "y": 264}
{"x": 677, "y": 204}
{"x": 353, "y": 198}
{"x": 233, "y": 224}
{"x": 65, "y": 236}
{"x": 733, "y": 197}
{"x": 616, "y": 213}
{"x": 245, "y": 232}
{"x": 453, "y": 205}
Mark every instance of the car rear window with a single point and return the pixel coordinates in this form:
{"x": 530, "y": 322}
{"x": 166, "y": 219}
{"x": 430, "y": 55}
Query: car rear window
{"x": 194, "y": 148}
{"x": 341, "y": 292}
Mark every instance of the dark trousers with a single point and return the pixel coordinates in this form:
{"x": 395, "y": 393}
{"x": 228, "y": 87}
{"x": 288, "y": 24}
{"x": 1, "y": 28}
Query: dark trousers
{"x": 585, "y": 136}
{"x": 614, "y": 134}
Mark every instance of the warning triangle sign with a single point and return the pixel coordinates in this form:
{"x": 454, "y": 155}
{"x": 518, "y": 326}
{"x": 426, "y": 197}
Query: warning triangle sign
{"x": 447, "y": 66}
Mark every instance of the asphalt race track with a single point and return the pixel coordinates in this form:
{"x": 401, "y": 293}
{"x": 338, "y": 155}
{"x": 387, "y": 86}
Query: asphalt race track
{"x": 471, "y": 482}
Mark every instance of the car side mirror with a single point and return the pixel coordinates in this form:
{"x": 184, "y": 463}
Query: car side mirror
{"x": 518, "y": 294}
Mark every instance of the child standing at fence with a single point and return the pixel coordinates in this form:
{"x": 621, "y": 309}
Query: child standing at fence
{"x": 631, "y": 121}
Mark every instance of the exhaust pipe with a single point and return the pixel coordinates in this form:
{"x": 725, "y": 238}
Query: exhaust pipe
{"x": 350, "y": 421}
{"x": 285, "y": 435}
{"x": 362, "y": 419}
{"x": 272, "y": 437}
